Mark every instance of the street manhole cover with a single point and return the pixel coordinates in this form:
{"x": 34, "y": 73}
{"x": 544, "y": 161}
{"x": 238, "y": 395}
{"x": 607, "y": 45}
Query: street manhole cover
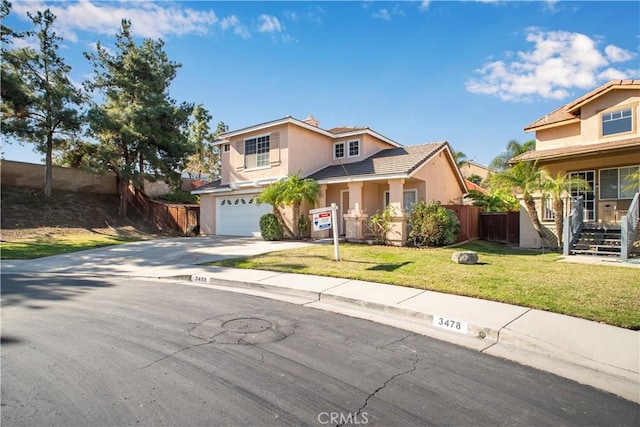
{"x": 249, "y": 325}
{"x": 234, "y": 329}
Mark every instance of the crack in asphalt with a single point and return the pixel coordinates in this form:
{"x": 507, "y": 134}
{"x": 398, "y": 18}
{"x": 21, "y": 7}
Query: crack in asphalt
{"x": 379, "y": 389}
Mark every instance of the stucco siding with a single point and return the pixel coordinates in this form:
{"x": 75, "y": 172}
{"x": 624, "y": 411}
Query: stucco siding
{"x": 589, "y": 129}
{"x": 207, "y": 214}
{"x": 441, "y": 182}
{"x": 307, "y": 151}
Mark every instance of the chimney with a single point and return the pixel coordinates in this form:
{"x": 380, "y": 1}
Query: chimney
{"x": 310, "y": 120}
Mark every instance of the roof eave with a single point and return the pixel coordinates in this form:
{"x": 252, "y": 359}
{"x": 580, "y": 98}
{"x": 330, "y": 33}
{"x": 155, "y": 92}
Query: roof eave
{"x": 551, "y": 125}
{"x": 358, "y": 178}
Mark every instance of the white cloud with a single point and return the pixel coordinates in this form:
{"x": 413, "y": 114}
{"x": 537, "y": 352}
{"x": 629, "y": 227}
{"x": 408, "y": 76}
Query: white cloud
{"x": 148, "y": 19}
{"x": 424, "y": 5}
{"x": 382, "y": 14}
{"x": 559, "y": 62}
{"x": 232, "y": 22}
{"x": 269, "y": 24}
{"x": 615, "y": 54}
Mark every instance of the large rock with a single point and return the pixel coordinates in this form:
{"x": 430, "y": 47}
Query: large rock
{"x": 467, "y": 257}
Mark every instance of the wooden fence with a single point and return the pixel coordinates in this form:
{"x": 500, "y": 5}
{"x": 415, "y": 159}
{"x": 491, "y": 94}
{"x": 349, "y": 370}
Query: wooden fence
{"x": 174, "y": 218}
{"x": 469, "y": 217}
{"x": 500, "y": 227}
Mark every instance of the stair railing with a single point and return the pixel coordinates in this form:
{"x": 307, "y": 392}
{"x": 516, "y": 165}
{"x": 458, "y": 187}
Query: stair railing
{"x": 628, "y": 224}
{"x": 572, "y": 225}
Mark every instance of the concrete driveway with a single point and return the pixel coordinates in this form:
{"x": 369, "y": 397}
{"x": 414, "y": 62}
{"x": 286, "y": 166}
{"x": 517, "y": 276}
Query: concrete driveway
{"x": 151, "y": 258}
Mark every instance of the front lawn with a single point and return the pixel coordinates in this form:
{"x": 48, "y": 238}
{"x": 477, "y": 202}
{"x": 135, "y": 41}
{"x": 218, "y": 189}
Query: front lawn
{"x": 42, "y": 246}
{"x": 601, "y": 293}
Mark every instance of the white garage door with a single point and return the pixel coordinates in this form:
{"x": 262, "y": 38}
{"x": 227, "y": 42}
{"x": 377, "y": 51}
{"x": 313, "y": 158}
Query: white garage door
{"x": 239, "y": 215}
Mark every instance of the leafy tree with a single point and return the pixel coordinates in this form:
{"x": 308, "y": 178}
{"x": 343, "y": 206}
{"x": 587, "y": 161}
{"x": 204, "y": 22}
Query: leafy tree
{"x": 527, "y": 179}
{"x": 556, "y": 188}
{"x": 475, "y": 178}
{"x": 141, "y": 130}
{"x": 432, "y": 225}
{"x": 75, "y": 153}
{"x": 39, "y": 102}
{"x": 514, "y": 148}
{"x": 206, "y": 159}
{"x": 495, "y": 201}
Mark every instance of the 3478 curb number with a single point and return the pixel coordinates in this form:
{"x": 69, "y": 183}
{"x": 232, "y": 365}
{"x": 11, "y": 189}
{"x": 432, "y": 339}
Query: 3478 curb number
{"x": 450, "y": 324}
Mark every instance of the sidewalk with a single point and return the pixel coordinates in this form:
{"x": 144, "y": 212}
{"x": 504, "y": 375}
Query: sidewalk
{"x": 599, "y": 355}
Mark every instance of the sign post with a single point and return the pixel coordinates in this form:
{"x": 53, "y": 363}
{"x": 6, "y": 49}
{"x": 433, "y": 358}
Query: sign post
{"x": 324, "y": 219}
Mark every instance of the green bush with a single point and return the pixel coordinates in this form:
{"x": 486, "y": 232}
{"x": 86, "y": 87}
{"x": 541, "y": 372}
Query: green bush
{"x": 432, "y": 225}
{"x": 270, "y": 227}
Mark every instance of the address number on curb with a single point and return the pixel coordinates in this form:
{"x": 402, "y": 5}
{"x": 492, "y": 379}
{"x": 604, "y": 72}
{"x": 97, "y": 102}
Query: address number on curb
{"x": 450, "y": 324}
{"x": 199, "y": 278}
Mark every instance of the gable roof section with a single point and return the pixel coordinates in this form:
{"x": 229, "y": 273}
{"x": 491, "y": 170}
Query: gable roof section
{"x": 578, "y": 150}
{"x": 399, "y": 162}
{"x": 567, "y": 113}
{"x": 339, "y": 132}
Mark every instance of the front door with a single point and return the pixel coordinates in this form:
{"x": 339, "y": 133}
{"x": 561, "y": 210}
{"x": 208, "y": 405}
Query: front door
{"x": 588, "y": 196}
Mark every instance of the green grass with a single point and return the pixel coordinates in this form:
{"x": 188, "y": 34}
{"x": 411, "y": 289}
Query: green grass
{"x": 601, "y": 293}
{"x": 48, "y": 246}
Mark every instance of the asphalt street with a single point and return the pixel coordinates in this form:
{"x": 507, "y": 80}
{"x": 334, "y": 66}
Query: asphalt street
{"x": 114, "y": 351}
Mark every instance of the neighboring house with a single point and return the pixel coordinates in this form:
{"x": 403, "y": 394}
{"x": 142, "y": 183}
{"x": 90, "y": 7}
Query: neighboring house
{"x": 358, "y": 169}
{"x": 469, "y": 168}
{"x": 595, "y": 137}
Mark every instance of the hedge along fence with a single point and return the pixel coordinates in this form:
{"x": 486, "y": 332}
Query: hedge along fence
{"x": 173, "y": 218}
{"x": 31, "y": 175}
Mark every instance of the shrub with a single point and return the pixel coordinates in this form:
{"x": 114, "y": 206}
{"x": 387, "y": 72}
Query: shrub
{"x": 432, "y": 225}
{"x": 270, "y": 227}
{"x": 180, "y": 196}
{"x": 380, "y": 224}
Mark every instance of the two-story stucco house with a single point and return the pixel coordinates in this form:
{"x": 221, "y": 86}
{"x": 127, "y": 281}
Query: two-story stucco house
{"x": 595, "y": 137}
{"x": 358, "y": 169}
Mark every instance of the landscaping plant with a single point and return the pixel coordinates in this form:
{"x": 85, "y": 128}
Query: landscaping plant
{"x": 270, "y": 227}
{"x": 432, "y": 225}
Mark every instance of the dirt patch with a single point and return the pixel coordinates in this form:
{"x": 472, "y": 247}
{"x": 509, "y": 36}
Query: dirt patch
{"x": 27, "y": 214}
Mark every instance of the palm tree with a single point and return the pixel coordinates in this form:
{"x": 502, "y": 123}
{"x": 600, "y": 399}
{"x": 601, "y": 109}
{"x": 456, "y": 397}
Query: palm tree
{"x": 459, "y": 157}
{"x": 525, "y": 178}
{"x": 273, "y": 195}
{"x": 556, "y": 188}
{"x": 297, "y": 191}
{"x": 514, "y": 148}
{"x": 292, "y": 191}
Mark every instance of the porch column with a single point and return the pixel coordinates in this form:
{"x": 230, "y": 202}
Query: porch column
{"x": 355, "y": 219}
{"x": 397, "y": 234}
{"x": 322, "y": 203}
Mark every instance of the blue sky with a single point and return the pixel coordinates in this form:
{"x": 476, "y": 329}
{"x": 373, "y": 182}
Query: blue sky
{"x": 473, "y": 73}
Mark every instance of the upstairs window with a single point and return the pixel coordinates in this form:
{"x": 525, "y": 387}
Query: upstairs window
{"x": 338, "y": 150}
{"x": 226, "y": 148}
{"x": 617, "y": 121}
{"x": 354, "y": 148}
{"x": 256, "y": 152}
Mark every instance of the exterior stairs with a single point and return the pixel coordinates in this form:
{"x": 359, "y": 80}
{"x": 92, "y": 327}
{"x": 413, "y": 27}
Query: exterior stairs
{"x": 598, "y": 239}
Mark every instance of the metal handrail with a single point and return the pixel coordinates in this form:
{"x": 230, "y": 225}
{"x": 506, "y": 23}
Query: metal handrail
{"x": 573, "y": 225}
{"x": 629, "y": 224}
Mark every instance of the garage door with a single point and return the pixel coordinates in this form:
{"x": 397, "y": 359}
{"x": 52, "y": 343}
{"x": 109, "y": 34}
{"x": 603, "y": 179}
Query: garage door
{"x": 239, "y": 215}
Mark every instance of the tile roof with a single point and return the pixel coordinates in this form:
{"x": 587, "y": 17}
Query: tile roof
{"x": 567, "y": 112}
{"x": 474, "y": 186}
{"x": 345, "y": 129}
{"x": 392, "y": 161}
{"x": 578, "y": 150}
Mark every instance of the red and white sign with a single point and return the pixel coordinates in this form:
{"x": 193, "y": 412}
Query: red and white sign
{"x": 321, "y": 221}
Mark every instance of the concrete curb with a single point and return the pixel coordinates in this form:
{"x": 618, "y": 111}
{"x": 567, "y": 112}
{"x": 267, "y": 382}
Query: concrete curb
{"x": 602, "y": 356}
